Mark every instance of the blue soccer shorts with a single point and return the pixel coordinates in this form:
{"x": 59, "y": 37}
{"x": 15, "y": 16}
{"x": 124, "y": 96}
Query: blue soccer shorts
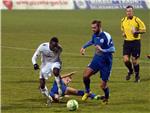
{"x": 103, "y": 64}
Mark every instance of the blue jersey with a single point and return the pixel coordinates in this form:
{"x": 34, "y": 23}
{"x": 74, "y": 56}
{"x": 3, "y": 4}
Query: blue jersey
{"x": 104, "y": 40}
{"x": 102, "y": 60}
{"x": 54, "y": 89}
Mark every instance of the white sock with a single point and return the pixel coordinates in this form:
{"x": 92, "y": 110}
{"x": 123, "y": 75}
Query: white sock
{"x": 58, "y": 85}
{"x": 58, "y": 81}
{"x": 44, "y": 91}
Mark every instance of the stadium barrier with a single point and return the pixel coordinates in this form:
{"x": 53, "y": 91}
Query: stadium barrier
{"x": 37, "y": 4}
{"x": 110, "y": 4}
{"x": 73, "y": 4}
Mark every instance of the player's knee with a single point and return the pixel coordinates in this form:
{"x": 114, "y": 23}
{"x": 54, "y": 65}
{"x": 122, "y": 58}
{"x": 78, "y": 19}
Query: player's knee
{"x": 87, "y": 73}
{"x": 85, "y": 76}
{"x": 56, "y": 71}
{"x": 103, "y": 85}
{"x": 134, "y": 61}
{"x": 125, "y": 59}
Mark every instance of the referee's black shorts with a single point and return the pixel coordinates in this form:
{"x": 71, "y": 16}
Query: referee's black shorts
{"x": 132, "y": 48}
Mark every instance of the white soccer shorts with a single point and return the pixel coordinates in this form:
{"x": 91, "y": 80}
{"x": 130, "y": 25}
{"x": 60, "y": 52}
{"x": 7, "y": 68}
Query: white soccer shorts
{"x": 47, "y": 69}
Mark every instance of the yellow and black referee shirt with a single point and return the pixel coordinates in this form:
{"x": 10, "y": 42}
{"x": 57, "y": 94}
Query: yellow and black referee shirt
{"x": 127, "y": 26}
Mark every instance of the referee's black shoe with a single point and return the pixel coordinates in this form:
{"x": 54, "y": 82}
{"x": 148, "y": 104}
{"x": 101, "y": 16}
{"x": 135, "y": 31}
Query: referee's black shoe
{"x": 137, "y": 79}
{"x": 129, "y": 75}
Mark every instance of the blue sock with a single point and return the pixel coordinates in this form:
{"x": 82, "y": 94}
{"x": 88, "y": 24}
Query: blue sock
{"x": 80, "y": 93}
{"x": 92, "y": 95}
{"x": 106, "y": 91}
{"x": 87, "y": 84}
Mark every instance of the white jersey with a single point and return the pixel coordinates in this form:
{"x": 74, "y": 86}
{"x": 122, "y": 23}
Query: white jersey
{"x": 47, "y": 55}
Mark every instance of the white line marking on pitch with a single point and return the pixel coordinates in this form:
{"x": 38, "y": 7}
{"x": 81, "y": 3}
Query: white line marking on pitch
{"x": 28, "y": 49}
{"x": 65, "y": 53}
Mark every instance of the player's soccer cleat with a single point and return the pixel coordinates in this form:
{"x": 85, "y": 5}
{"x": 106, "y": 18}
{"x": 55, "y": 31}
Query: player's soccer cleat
{"x": 137, "y": 79}
{"x": 105, "y": 101}
{"x": 85, "y": 96}
{"x": 49, "y": 100}
{"x": 129, "y": 75}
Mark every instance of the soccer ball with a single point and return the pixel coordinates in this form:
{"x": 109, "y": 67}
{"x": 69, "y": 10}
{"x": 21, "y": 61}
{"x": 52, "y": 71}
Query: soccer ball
{"x": 72, "y": 105}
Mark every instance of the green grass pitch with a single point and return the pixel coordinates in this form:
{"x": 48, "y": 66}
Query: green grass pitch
{"x": 23, "y": 31}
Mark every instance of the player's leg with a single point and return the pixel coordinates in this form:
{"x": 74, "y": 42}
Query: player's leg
{"x": 104, "y": 76}
{"x": 126, "y": 59}
{"x": 56, "y": 71}
{"x": 105, "y": 70}
{"x": 136, "y": 69}
{"x": 43, "y": 87}
{"x": 128, "y": 64}
{"x": 44, "y": 73}
{"x": 105, "y": 88}
{"x": 135, "y": 59}
{"x": 73, "y": 91}
{"x": 86, "y": 80}
{"x": 89, "y": 71}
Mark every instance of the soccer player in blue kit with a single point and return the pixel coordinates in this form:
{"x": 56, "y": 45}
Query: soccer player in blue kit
{"x": 66, "y": 90}
{"x": 102, "y": 60}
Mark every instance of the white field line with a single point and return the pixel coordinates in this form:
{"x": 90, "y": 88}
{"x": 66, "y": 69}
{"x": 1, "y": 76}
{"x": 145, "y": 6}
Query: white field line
{"x": 17, "y": 48}
{"x": 65, "y": 53}
{"x": 28, "y": 49}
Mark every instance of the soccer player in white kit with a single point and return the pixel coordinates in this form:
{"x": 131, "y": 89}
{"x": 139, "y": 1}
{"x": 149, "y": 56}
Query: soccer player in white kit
{"x": 50, "y": 63}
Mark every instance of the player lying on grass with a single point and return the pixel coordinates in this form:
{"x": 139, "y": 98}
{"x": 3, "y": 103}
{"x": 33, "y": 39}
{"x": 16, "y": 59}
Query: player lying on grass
{"x": 66, "y": 90}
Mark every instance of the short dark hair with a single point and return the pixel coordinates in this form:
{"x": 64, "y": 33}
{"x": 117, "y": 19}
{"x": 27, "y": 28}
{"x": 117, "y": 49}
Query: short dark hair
{"x": 129, "y": 6}
{"x": 97, "y": 22}
{"x": 54, "y": 39}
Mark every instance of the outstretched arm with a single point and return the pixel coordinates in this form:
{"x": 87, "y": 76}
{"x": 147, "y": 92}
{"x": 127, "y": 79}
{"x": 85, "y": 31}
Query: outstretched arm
{"x": 89, "y": 43}
{"x": 35, "y": 56}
